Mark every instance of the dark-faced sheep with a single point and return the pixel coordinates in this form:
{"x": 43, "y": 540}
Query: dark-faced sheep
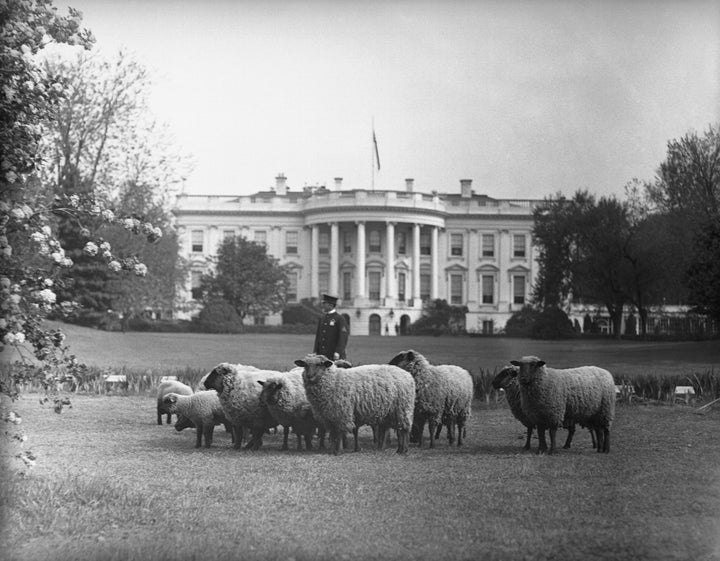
{"x": 551, "y": 397}
{"x": 201, "y": 410}
{"x": 444, "y": 395}
{"x": 507, "y": 381}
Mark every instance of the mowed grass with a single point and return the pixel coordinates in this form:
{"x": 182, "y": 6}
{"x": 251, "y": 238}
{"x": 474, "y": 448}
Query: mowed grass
{"x": 110, "y": 484}
{"x": 163, "y": 352}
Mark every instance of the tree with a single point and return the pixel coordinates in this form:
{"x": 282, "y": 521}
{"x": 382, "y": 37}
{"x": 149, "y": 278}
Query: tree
{"x": 245, "y": 276}
{"x": 704, "y": 273}
{"x": 104, "y": 144}
{"x": 439, "y": 317}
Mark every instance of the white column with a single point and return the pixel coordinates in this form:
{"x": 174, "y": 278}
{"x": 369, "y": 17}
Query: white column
{"x": 390, "y": 291}
{"x": 504, "y": 280}
{"x": 434, "y": 261}
{"x": 360, "y": 261}
{"x": 334, "y": 258}
{"x": 416, "y": 264}
{"x": 213, "y": 240}
{"x": 314, "y": 261}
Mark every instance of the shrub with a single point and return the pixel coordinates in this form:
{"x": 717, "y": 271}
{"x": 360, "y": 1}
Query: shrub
{"x": 218, "y": 316}
{"x": 521, "y": 323}
{"x": 553, "y": 323}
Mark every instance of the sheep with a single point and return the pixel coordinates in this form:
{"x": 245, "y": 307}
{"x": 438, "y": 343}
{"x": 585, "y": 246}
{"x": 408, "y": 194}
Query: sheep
{"x": 238, "y": 367}
{"x": 201, "y": 410}
{"x": 284, "y": 395}
{"x": 343, "y": 399}
{"x": 444, "y": 395}
{"x": 551, "y": 397}
{"x": 164, "y": 389}
{"x": 506, "y": 380}
{"x": 239, "y": 392}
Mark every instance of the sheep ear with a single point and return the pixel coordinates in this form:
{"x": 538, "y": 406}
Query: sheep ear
{"x": 301, "y": 363}
{"x": 327, "y": 363}
{"x": 540, "y": 363}
{"x": 515, "y": 362}
{"x": 410, "y": 355}
{"x": 261, "y": 382}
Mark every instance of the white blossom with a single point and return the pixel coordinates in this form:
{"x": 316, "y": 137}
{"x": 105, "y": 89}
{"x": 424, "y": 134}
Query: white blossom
{"x": 108, "y": 215}
{"x": 140, "y": 270}
{"x": 47, "y": 296}
{"x": 114, "y": 266}
{"x": 90, "y": 249}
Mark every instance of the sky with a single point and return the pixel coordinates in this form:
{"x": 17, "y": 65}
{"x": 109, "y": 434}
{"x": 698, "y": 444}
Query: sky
{"x": 526, "y": 98}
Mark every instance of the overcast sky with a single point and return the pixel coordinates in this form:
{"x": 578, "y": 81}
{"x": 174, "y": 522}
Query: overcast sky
{"x": 526, "y": 98}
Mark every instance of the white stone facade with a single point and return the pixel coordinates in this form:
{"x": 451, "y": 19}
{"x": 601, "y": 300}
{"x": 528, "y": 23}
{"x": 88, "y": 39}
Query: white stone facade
{"x": 382, "y": 252}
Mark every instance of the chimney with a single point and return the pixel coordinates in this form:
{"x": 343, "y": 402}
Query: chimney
{"x": 409, "y": 185}
{"x": 466, "y": 188}
{"x": 338, "y": 183}
{"x": 281, "y": 185}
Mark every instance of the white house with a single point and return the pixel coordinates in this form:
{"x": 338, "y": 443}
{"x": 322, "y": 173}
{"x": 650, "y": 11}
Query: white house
{"x": 382, "y": 252}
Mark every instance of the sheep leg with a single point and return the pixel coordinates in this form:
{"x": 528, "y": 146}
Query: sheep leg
{"x": 593, "y": 432}
{"x": 542, "y": 444}
{"x": 431, "y": 426}
{"x": 198, "y": 435}
{"x": 286, "y": 434}
{"x": 356, "y": 430}
{"x": 237, "y": 436}
{"x": 403, "y": 437}
{"x": 603, "y": 440}
{"x": 451, "y": 432}
{"x": 460, "y": 430}
{"x": 414, "y": 433}
{"x": 308, "y": 440}
{"x": 208, "y": 433}
{"x": 553, "y": 433}
{"x": 528, "y": 438}
{"x": 571, "y": 433}
{"x": 169, "y": 419}
{"x": 321, "y": 438}
{"x": 337, "y": 438}
{"x": 438, "y": 432}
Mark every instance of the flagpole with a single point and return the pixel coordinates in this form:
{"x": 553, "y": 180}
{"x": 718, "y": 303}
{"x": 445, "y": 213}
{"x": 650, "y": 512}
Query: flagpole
{"x": 372, "y": 154}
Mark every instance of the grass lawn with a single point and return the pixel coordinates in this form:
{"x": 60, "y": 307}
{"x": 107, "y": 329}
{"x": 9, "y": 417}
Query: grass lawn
{"x": 110, "y": 484}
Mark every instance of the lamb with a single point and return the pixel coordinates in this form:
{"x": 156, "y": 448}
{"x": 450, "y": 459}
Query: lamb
{"x": 284, "y": 395}
{"x": 550, "y": 397}
{"x": 444, "y": 395}
{"x": 343, "y": 399}
{"x": 201, "y": 410}
{"x": 239, "y": 392}
{"x": 506, "y": 380}
{"x": 164, "y": 389}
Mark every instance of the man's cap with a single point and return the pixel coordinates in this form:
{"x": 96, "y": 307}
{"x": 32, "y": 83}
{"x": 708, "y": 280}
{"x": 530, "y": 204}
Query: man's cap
{"x": 329, "y": 299}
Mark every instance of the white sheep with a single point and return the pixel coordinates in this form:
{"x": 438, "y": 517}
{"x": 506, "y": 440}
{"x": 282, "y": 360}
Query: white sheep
{"x": 507, "y": 380}
{"x": 284, "y": 395}
{"x": 552, "y": 397}
{"x": 444, "y": 395}
{"x": 343, "y": 399}
{"x": 164, "y": 389}
{"x": 239, "y": 393}
{"x": 201, "y": 410}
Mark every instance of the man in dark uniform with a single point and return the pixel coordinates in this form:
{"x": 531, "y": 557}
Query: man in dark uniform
{"x": 332, "y": 332}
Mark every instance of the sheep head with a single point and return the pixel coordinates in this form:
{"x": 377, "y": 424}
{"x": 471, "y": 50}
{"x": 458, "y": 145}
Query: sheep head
{"x": 403, "y": 358}
{"x": 270, "y": 391}
{"x": 183, "y": 423}
{"x": 504, "y": 377}
{"x": 214, "y": 381}
{"x": 314, "y": 365}
{"x": 529, "y": 367}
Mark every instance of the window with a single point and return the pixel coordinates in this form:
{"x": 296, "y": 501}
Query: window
{"x": 228, "y": 234}
{"x": 425, "y": 243}
{"x": 402, "y": 243}
{"x": 488, "y": 289}
{"x": 518, "y": 289}
{"x": 196, "y": 240}
{"x": 488, "y": 245}
{"x": 488, "y": 327}
{"x": 259, "y": 320}
{"x": 292, "y": 286}
{"x": 456, "y": 285}
{"x": 324, "y": 243}
{"x": 456, "y": 245}
{"x": 425, "y": 286}
{"x": 195, "y": 285}
{"x": 260, "y": 236}
{"x": 519, "y": 245}
{"x": 374, "y": 285}
{"x": 291, "y": 242}
{"x": 347, "y": 285}
{"x": 374, "y": 241}
{"x": 347, "y": 241}
{"x": 324, "y": 283}
{"x": 401, "y": 287}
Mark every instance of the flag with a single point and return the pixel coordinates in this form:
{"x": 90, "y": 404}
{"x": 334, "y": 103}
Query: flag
{"x": 377, "y": 154}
